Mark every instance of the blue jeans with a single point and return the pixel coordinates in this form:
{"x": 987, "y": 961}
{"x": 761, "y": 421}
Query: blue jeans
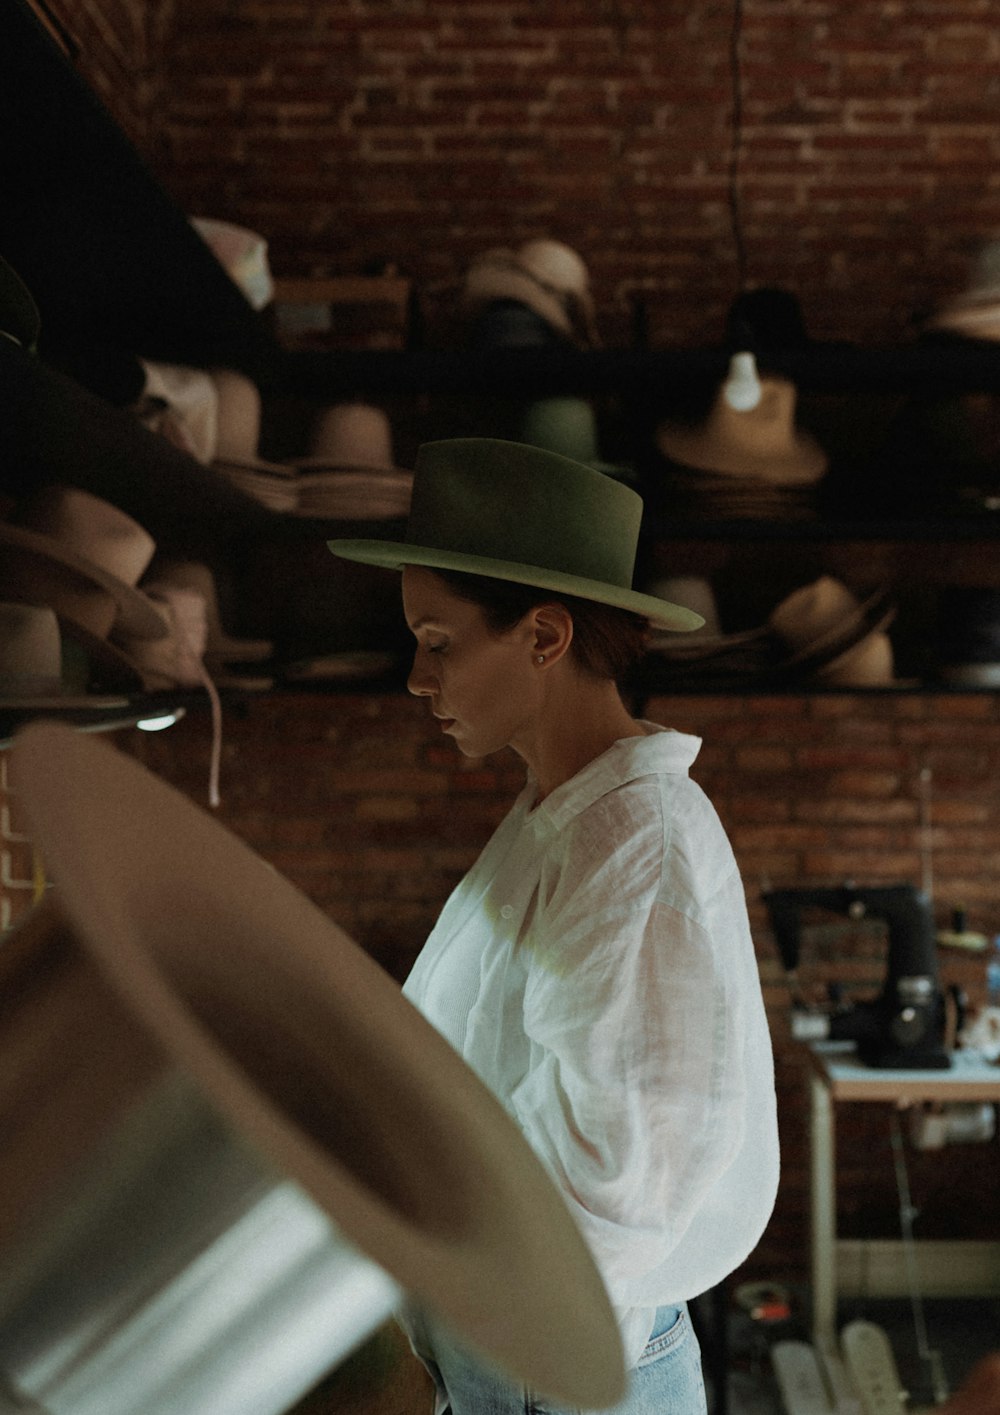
{"x": 667, "y": 1380}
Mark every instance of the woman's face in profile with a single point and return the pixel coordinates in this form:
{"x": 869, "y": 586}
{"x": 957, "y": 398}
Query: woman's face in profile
{"x": 480, "y": 685}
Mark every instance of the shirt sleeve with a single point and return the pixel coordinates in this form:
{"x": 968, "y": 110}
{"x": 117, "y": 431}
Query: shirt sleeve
{"x": 635, "y": 1095}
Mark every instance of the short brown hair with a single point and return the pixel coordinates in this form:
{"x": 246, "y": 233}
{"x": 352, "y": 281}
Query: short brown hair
{"x": 607, "y": 642}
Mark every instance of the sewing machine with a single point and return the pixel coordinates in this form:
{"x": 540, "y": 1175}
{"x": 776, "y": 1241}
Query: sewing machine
{"x": 903, "y": 1027}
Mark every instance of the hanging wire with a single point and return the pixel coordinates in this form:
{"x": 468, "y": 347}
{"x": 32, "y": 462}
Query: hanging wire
{"x": 907, "y": 1213}
{"x": 736, "y": 142}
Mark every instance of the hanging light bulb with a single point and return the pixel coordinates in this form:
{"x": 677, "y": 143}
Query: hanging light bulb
{"x": 742, "y": 390}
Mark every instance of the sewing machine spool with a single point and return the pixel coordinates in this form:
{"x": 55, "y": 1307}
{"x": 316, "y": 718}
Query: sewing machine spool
{"x": 230, "y": 1142}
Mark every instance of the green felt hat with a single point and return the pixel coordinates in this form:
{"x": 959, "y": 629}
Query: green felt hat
{"x": 20, "y": 321}
{"x": 517, "y": 512}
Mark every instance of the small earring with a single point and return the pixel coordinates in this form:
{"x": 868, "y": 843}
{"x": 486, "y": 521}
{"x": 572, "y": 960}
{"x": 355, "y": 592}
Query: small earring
{"x": 541, "y": 658}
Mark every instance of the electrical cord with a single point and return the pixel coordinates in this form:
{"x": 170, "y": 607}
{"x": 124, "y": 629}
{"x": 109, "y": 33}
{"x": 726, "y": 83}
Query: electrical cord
{"x": 736, "y": 143}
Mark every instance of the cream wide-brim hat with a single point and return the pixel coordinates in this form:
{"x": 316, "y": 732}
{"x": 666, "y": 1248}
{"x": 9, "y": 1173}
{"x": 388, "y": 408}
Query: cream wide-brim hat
{"x": 309, "y": 1050}
{"x": 520, "y": 513}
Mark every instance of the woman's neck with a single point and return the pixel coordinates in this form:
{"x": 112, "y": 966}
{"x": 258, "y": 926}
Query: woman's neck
{"x": 579, "y": 719}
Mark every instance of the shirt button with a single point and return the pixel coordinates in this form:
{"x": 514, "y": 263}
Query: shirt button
{"x": 507, "y": 911}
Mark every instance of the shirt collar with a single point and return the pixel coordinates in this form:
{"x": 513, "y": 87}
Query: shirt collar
{"x": 662, "y": 751}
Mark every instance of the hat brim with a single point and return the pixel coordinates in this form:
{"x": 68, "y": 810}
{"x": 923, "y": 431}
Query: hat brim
{"x": 872, "y": 615}
{"x": 304, "y": 1044}
{"x": 60, "y": 702}
{"x": 487, "y": 282}
{"x": 136, "y": 615}
{"x": 393, "y": 555}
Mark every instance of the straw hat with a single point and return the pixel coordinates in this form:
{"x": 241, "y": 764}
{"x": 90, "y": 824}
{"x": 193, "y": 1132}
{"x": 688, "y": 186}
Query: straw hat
{"x": 327, "y": 1074}
{"x": 545, "y": 275}
{"x": 520, "y": 513}
{"x": 31, "y": 664}
{"x": 762, "y": 443}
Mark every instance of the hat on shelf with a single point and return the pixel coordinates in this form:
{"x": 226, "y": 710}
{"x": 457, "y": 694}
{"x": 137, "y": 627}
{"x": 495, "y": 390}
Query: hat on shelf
{"x": 821, "y": 632}
{"x": 238, "y": 415}
{"x": 32, "y": 672}
{"x": 830, "y": 633}
{"x": 350, "y": 473}
{"x": 168, "y": 575}
{"x": 759, "y": 444}
{"x": 975, "y": 312}
{"x": 20, "y": 321}
{"x": 568, "y": 426}
{"x": 544, "y": 275}
{"x": 81, "y": 556}
{"x": 524, "y": 514}
{"x": 237, "y": 438}
{"x": 179, "y": 659}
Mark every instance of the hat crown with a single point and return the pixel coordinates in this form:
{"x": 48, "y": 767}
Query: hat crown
{"x": 519, "y": 504}
{"x": 91, "y": 528}
{"x": 30, "y": 648}
{"x": 554, "y": 263}
{"x": 813, "y": 610}
{"x": 354, "y": 435}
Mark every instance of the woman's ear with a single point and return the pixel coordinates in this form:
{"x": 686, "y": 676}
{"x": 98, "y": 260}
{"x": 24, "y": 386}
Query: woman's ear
{"x": 552, "y": 629}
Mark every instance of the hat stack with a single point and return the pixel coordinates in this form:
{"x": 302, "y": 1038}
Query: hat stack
{"x": 33, "y": 676}
{"x": 821, "y": 634}
{"x": 83, "y": 558}
{"x": 235, "y": 456}
{"x": 543, "y": 277}
{"x": 754, "y": 463}
{"x": 350, "y": 473}
{"x": 748, "y": 462}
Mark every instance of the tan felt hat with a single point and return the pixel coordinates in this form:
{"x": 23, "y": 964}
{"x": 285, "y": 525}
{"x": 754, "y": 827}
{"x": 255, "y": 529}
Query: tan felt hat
{"x": 304, "y": 1044}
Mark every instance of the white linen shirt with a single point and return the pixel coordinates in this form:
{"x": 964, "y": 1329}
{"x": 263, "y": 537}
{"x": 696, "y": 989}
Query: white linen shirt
{"x": 595, "y": 968}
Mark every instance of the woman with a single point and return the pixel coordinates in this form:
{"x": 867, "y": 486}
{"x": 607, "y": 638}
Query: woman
{"x": 595, "y": 967}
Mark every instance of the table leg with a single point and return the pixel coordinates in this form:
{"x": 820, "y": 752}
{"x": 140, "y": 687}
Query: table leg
{"x": 823, "y": 1214}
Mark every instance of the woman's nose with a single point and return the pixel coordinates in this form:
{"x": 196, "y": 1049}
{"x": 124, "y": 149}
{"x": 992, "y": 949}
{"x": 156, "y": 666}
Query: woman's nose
{"x": 418, "y": 679}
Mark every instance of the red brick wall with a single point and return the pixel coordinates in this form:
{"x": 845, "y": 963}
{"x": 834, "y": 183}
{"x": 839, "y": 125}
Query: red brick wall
{"x": 424, "y": 133}
{"x": 421, "y": 134}
{"x": 362, "y": 805}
